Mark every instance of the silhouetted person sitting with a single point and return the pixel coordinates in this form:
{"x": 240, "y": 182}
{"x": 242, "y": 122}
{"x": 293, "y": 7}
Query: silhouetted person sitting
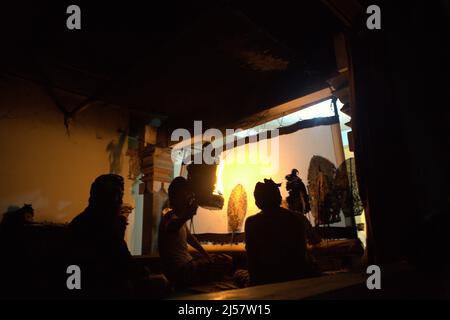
{"x": 13, "y": 220}
{"x": 97, "y": 244}
{"x": 275, "y": 239}
{"x": 179, "y": 265}
{"x": 15, "y": 279}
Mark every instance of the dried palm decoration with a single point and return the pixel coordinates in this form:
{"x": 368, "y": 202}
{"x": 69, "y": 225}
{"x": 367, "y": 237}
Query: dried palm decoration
{"x": 237, "y": 208}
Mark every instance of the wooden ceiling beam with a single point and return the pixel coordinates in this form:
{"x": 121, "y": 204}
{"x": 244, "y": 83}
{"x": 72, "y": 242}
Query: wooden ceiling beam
{"x": 282, "y": 109}
{"x": 346, "y": 11}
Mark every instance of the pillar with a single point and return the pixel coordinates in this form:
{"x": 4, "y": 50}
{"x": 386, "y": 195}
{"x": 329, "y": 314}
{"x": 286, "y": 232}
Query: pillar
{"x": 157, "y": 170}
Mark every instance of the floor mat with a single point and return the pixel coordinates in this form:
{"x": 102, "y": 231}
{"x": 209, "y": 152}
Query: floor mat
{"x": 215, "y": 286}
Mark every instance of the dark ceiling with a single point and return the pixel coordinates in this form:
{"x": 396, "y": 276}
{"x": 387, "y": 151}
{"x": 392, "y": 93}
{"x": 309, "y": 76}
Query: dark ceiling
{"x": 183, "y": 61}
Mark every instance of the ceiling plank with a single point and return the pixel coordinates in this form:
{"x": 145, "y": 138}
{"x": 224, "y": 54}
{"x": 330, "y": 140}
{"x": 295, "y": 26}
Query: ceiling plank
{"x": 346, "y": 11}
{"x": 283, "y": 109}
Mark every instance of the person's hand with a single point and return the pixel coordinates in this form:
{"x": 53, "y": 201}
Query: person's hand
{"x": 222, "y": 259}
{"x": 221, "y": 263}
{"x": 126, "y": 209}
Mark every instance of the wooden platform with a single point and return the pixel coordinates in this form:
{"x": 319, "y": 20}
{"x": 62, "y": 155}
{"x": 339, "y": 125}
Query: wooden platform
{"x": 239, "y": 237}
{"x": 326, "y": 247}
{"x": 292, "y": 290}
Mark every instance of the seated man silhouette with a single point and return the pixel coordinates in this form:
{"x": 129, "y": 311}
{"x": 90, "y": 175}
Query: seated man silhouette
{"x": 275, "y": 239}
{"x": 179, "y": 265}
{"x": 15, "y": 250}
{"x": 96, "y": 242}
{"x": 97, "y": 246}
{"x": 14, "y": 220}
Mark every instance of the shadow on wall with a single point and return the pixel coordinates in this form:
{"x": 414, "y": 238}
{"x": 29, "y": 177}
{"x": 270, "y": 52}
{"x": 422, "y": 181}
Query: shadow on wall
{"x": 115, "y": 153}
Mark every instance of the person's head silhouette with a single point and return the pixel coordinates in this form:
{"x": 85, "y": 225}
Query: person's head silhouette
{"x": 182, "y": 198}
{"x": 18, "y": 217}
{"x": 107, "y": 193}
{"x": 267, "y": 195}
{"x": 293, "y": 176}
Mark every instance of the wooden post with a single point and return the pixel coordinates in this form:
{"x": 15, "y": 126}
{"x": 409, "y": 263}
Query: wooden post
{"x": 157, "y": 169}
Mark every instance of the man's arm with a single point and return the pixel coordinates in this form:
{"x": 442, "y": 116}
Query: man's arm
{"x": 192, "y": 240}
{"x": 173, "y": 223}
{"x": 312, "y": 237}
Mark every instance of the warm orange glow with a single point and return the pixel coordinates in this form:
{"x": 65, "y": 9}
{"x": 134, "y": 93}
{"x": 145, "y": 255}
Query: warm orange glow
{"x": 244, "y": 166}
{"x": 218, "y": 188}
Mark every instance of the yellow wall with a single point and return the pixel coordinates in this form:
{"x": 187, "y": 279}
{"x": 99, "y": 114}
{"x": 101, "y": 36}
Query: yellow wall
{"x": 42, "y": 165}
